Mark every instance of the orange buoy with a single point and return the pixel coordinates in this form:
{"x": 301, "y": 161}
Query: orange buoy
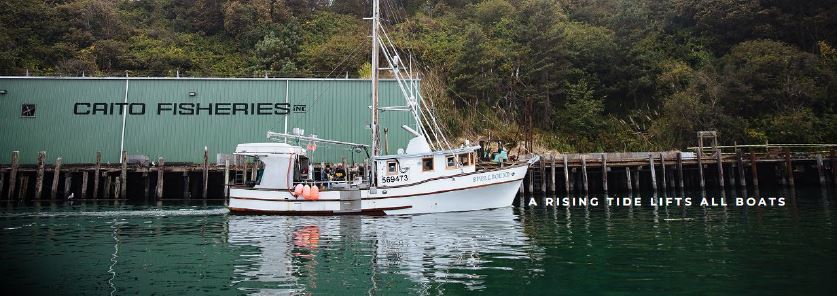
{"x": 306, "y": 192}
{"x": 315, "y": 192}
{"x": 298, "y": 190}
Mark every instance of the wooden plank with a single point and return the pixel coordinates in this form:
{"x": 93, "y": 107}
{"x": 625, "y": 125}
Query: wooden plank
{"x": 652, "y": 172}
{"x": 97, "y": 173}
{"x": 680, "y": 172}
{"x": 84, "y": 177}
{"x": 205, "y": 172}
{"x": 566, "y": 175}
{"x": 56, "y": 173}
{"x": 604, "y": 172}
{"x": 663, "y": 168}
{"x": 789, "y": 169}
{"x": 160, "y": 170}
{"x": 39, "y": 175}
{"x": 123, "y": 176}
{"x": 719, "y": 160}
{"x": 584, "y": 173}
{"x": 13, "y": 174}
{"x": 628, "y": 180}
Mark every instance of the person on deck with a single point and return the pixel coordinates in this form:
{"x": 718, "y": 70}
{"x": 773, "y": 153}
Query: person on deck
{"x": 501, "y": 156}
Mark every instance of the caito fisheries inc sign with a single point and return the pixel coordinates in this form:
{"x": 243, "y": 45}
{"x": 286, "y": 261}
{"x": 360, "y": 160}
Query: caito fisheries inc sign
{"x": 222, "y": 108}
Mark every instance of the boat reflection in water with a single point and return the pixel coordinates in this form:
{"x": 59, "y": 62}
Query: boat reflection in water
{"x": 357, "y": 254}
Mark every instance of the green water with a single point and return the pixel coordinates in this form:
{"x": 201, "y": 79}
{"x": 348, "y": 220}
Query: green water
{"x": 181, "y": 249}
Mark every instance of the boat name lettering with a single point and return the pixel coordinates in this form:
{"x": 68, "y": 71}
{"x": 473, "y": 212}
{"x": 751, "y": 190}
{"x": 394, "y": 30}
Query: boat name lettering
{"x": 492, "y": 177}
{"x": 85, "y": 108}
{"x": 390, "y": 179}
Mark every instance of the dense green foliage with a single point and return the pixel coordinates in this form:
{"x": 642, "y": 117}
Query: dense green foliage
{"x": 592, "y": 74}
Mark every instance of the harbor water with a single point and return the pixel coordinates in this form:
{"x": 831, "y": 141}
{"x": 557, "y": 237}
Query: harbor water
{"x": 178, "y": 248}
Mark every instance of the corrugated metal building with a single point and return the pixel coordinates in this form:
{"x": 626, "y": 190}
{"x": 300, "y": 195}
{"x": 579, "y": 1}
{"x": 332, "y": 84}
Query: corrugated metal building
{"x": 175, "y": 118}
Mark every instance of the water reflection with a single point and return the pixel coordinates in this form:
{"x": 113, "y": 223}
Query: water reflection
{"x": 377, "y": 254}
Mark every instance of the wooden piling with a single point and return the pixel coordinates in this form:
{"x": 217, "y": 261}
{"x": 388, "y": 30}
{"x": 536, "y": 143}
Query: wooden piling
{"x": 700, "y": 169}
{"x": 84, "y": 176}
{"x": 227, "y": 176}
{"x": 39, "y": 175}
{"x": 628, "y": 179}
{"x": 742, "y": 181}
{"x": 789, "y": 169}
{"x": 13, "y": 173}
{"x": 543, "y": 175}
{"x": 160, "y": 169}
{"x": 24, "y": 187}
{"x": 118, "y": 188}
{"x": 97, "y": 174}
{"x": 551, "y": 175}
{"x": 68, "y": 184}
{"x": 652, "y": 172}
{"x": 2, "y": 182}
{"x": 604, "y": 172}
{"x": 834, "y": 167}
{"x": 636, "y": 179}
{"x": 186, "y": 185}
{"x": 720, "y": 161}
{"x": 754, "y": 170}
{"x": 820, "y": 170}
{"x": 147, "y": 181}
{"x": 584, "y": 173}
{"x": 680, "y": 171}
{"x": 205, "y": 171}
{"x": 531, "y": 182}
{"x": 123, "y": 176}
{"x": 56, "y": 173}
{"x": 108, "y": 192}
{"x": 566, "y": 175}
{"x": 663, "y": 168}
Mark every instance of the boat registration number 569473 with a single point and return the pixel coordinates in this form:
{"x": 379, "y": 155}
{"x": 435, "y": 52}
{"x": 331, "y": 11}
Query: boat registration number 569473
{"x": 390, "y": 179}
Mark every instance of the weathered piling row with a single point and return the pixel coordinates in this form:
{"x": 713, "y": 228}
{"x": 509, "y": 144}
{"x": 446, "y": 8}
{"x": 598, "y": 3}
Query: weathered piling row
{"x": 685, "y": 172}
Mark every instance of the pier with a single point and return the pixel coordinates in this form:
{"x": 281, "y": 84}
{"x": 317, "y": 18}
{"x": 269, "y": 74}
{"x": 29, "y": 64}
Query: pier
{"x": 742, "y": 167}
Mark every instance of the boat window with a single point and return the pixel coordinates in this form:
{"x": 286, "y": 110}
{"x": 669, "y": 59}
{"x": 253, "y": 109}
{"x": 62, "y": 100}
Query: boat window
{"x": 451, "y": 162}
{"x": 392, "y": 167}
{"x": 427, "y": 164}
{"x": 465, "y": 159}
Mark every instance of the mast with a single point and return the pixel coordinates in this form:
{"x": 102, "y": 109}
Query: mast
{"x": 375, "y": 48}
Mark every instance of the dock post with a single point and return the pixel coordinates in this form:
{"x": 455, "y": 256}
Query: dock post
{"x": 531, "y": 182}
{"x": 628, "y": 180}
{"x": 13, "y": 174}
{"x": 55, "y": 178}
{"x": 680, "y": 171}
{"x": 543, "y": 175}
{"x": 108, "y": 192}
{"x": 742, "y": 181}
{"x": 604, "y": 172}
{"x": 123, "y": 176}
{"x": 551, "y": 175}
{"x": 186, "y": 185}
{"x": 789, "y": 169}
{"x": 566, "y": 175}
{"x": 652, "y": 172}
{"x": 834, "y": 167}
{"x": 39, "y": 176}
{"x": 820, "y": 170}
{"x": 97, "y": 174}
{"x": 755, "y": 172}
{"x": 700, "y": 169}
{"x": 160, "y": 169}
{"x": 147, "y": 183}
{"x": 117, "y": 188}
{"x": 2, "y": 181}
{"x": 24, "y": 187}
{"x": 227, "y": 176}
{"x": 84, "y": 184}
{"x": 68, "y": 184}
{"x": 206, "y": 171}
{"x": 584, "y": 173}
{"x": 663, "y": 168}
{"x": 720, "y": 161}
{"x": 636, "y": 179}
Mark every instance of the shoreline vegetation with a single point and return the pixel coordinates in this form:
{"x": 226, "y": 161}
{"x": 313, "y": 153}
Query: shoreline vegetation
{"x": 585, "y": 75}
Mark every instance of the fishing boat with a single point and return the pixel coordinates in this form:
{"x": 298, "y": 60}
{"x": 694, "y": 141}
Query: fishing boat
{"x": 429, "y": 176}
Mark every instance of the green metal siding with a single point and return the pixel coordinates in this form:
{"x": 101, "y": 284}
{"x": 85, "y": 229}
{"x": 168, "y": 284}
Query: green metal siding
{"x": 336, "y": 109}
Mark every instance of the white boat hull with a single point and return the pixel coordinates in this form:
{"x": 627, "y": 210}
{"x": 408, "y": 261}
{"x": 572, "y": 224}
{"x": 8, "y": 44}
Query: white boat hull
{"x": 475, "y": 191}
